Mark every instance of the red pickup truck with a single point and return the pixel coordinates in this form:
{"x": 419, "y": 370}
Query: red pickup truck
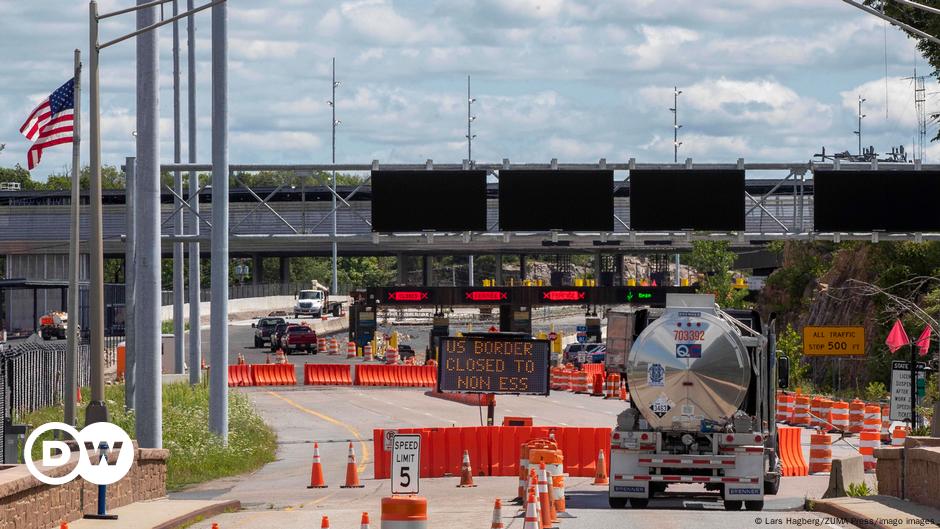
{"x": 299, "y": 338}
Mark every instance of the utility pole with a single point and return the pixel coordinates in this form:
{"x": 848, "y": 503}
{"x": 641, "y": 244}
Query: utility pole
{"x": 97, "y": 410}
{"x": 149, "y": 391}
{"x": 335, "y": 122}
{"x": 195, "y": 312}
{"x": 859, "y": 131}
{"x": 675, "y": 124}
{"x": 470, "y": 136}
{"x": 131, "y": 321}
{"x": 179, "y": 287}
{"x": 218, "y": 375}
{"x": 72, "y": 343}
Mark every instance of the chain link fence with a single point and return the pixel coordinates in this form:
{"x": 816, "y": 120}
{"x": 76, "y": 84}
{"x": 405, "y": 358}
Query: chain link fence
{"x": 34, "y": 375}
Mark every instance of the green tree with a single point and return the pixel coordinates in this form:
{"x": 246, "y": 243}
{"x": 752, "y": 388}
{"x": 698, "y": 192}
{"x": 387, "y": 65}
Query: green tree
{"x": 714, "y": 260}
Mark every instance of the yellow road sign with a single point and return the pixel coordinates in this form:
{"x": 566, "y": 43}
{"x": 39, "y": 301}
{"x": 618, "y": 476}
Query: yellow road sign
{"x": 834, "y": 341}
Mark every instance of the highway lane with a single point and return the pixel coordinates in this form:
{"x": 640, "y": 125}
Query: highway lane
{"x": 276, "y": 496}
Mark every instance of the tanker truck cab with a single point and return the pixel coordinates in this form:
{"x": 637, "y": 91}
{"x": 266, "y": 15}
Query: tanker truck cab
{"x": 702, "y": 387}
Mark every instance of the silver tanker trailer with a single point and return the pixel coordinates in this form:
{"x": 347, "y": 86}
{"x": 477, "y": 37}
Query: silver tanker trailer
{"x": 702, "y": 387}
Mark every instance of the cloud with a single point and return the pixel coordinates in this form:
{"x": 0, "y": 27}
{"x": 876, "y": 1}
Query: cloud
{"x": 658, "y": 45}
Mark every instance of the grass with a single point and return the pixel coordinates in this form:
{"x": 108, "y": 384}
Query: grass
{"x": 166, "y": 326}
{"x": 196, "y": 455}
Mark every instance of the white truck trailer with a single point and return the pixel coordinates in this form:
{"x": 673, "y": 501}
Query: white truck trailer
{"x": 702, "y": 385}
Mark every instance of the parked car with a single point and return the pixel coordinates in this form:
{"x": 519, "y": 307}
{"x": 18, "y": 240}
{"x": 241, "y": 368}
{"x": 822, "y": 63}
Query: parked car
{"x": 264, "y": 329}
{"x": 276, "y": 336}
{"x": 299, "y": 338}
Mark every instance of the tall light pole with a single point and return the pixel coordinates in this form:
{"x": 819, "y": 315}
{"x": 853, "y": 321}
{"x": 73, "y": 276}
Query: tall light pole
{"x": 195, "y": 314}
{"x": 470, "y": 120}
{"x": 675, "y": 124}
{"x": 859, "y": 131}
{"x": 334, "y": 123}
{"x": 470, "y": 136}
{"x": 179, "y": 288}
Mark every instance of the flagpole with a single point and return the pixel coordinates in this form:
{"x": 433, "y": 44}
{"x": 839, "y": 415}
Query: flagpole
{"x": 71, "y": 354}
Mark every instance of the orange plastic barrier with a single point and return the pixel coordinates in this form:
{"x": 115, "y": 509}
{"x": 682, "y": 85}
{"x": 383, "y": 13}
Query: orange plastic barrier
{"x": 327, "y": 375}
{"x": 494, "y": 450}
{"x": 593, "y": 369}
{"x": 791, "y": 451}
{"x": 240, "y": 375}
{"x": 395, "y": 375}
{"x": 273, "y": 374}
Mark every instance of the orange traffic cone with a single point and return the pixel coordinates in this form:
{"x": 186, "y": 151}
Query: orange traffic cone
{"x": 215, "y": 525}
{"x": 466, "y": 474}
{"x": 534, "y": 492}
{"x": 64, "y": 525}
{"x": 623, "y": 391}
{"x": 352, "y": 472}
{"x": 551, "y": 492}
{"x": 497, "y": 515}
{"x": 600, "y": 475}
{"x": 544, "y": 503}
{"x": 531, "y": 518}
{"x": 316, "y": 470}
{"x": 364, "y": 523}
{"x": 325, "y": 522}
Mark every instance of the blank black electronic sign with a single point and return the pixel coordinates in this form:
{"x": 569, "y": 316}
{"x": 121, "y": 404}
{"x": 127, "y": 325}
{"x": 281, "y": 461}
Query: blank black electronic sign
{"x": 556, "y": 200}
{"x": 892, "y": 201}
{"x": 687, "y": 199}
{"x": 494, "y": 365}
{"x": 428, "y": 200}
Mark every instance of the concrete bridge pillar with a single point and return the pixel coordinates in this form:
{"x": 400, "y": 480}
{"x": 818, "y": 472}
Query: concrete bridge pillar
{"x": 285, "y": 269}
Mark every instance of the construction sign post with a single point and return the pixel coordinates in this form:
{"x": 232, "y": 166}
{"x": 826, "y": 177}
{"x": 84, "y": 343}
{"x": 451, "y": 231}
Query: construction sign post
{"x": 406, "y": 463}
{"x": 834, "y": 341}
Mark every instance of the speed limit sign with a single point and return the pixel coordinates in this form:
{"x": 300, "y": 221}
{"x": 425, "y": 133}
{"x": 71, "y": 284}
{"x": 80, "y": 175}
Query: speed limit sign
{"x": 406, "y": 463}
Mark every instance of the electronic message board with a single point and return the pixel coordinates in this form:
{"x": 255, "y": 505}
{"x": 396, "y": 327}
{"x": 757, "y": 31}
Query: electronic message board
{"x": 892, "y": 201}
{"x": 428, "y": 200}
{"x": 569, "y": 200}
{"x": 687, "y": 199}
{"x": 495, "y": 364}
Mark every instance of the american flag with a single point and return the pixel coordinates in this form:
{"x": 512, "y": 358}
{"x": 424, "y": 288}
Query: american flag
{"x": 51, "y": 123}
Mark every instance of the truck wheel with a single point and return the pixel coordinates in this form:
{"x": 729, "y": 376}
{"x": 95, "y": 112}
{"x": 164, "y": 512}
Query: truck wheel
{"x": 617, "y": 503}
{"x": 772, "y": 487}
{"x": 258, "y": 343}
{"x": 756, "y": 505}
{"x": 734, "y": 505}
{"x": 639, "y": 503}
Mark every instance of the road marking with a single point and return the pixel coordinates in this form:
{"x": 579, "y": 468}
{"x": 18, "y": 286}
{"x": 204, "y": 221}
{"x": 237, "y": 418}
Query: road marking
{"x": 327, "y": 418}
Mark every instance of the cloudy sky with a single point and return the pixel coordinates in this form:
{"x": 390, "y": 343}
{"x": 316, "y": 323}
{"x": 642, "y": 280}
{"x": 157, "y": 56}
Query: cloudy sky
{"x": 569, "y": 79}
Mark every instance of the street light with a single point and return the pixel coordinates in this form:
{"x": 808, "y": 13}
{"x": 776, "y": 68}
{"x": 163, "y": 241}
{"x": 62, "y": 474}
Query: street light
{"x": 675, "y": 124}
{"x": 860, "y": 116}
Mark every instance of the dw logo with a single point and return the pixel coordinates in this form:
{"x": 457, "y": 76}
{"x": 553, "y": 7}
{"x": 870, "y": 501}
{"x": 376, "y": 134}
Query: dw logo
{"x": 105, "y": 438}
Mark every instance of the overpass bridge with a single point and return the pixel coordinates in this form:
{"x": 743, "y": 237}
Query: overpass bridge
{"x": 295, "y": 218}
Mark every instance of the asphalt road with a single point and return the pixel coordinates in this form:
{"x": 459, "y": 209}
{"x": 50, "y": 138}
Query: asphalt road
{"x": 276, "y": 496}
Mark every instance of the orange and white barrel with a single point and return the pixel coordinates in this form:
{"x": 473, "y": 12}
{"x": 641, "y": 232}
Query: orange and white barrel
{"x": 840, "y": 416}
{"x": 612, "y": 389}
{"x": 598, "y": 383}
{"x": 801, "y": 410}
{"x": 872, "y": 420}
{"x": 404, "y": 512}
{"x": 351, "y": 350}
{"x": 820, "y": 453}
{"x": 856, "y": 416}
{"x": 782, "y": 415}
{"x": 885, "y": 423}
{"x": 334, "y": 347}
{"x": 367, "y": 351}
{"x": 585, "y": 382}
{"x": 391, "y": 356}
{"x": 815, "y": 410}
{"x": 825, "y": 415}
{"x": 523, "y": 470}
{"x": 554, "y": 465}
{"x": 321, "y": 345}
{"x": 898, "y": 436}
{"x": 868, "y": 441}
